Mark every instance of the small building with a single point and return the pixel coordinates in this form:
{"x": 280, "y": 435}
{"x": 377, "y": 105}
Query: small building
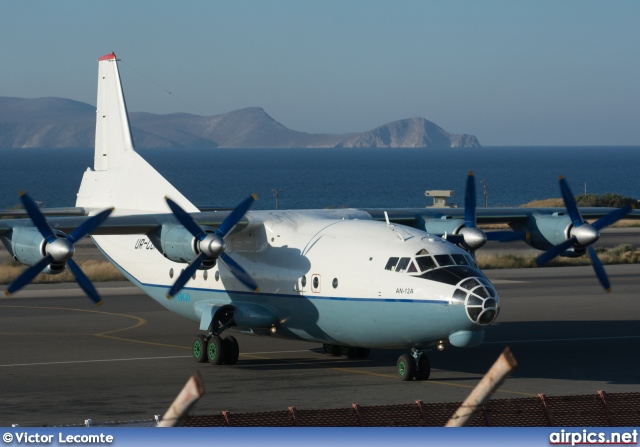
{"x": 440, "y": 197}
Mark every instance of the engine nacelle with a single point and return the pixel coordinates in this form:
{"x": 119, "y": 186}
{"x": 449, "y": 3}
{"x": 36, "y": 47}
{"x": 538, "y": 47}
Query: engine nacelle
{"x": 443, "y": 225}
{"x": 547, "y": 231}
{"x": 27, "y": 246}
{"x": 177, "y": 244}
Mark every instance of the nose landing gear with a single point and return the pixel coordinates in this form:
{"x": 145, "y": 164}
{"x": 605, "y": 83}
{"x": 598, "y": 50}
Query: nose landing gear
{"x": 414, "y": 365}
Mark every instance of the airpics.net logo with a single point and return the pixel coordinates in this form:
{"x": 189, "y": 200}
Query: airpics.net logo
{"x": 587, "y": 437}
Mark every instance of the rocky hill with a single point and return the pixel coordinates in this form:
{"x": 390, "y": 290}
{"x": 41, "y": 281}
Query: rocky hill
{"x": 59, "y": 123}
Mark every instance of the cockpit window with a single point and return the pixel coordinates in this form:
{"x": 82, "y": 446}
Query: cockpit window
{"x": 470, "y": 260}
{"x": 460, "y": 260}
{"x": 443, "y": 260}
{"x": 403, "y": 264}
{"x": 425, "y": 263}
{"x": 391, "y": 264}
{"x": 412, "y": 268}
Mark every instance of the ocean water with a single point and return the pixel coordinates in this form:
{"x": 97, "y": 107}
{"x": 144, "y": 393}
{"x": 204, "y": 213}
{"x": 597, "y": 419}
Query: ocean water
{"x": 320, "y": 178}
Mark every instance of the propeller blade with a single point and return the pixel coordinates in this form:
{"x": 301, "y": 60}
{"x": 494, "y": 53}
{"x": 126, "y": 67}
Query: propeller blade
{"x": 240, "y": 274}
{"x": 470, "y": 201}
{"x": 554, "y": 251}
{"x": 507, "y": 236}
{"x": 570, "y": 203}
{"x": 185, "y": 276}
{"x": 186, "y": 220}
{"x": 37, "y": 217}
{"x": 611, "y": 218}
{"x": 599, "y": 269}
{"x": 88, "y": 226}
{"x": 238, "y": 213}
{"x": 28, "y": 275}
{"x": 84, "y": 282}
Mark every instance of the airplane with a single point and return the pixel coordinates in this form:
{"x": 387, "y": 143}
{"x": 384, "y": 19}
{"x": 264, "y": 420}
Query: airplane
{"x": 351, "y": 279}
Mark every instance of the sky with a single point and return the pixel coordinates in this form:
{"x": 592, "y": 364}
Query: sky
{"x": 512, "y": 73}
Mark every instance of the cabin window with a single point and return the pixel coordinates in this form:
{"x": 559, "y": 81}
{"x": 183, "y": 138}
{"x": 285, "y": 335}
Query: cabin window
{"x": 391, "y": 264}
{"x": 315, "y": 283}
{"x": 205, "y": 275}
{"x": 443, "y": 260}
{"x": 425, "y": 263}
{"x": 217, "y": 275}
{"x": 402, "y": 265}
{"x": 170, "y": 273}
{"x": 303, "y": 281}
{"x": 335, "y": 283}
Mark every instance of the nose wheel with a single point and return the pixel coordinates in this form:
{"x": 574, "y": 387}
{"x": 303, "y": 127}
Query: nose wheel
{"x": 414, "y": 365}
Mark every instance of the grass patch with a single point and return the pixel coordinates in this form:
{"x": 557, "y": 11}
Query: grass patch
{"x": 96, "y": 271}
{"x": 620, "y": 254}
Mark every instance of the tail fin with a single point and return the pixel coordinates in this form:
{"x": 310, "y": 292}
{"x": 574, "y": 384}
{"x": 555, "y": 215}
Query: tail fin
{"x": 120, "y": 177}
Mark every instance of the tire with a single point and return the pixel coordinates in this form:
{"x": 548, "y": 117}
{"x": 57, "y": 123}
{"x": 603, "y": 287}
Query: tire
{"x": 349, "y": 352}
{"x": 334, "y": 350}
{"x": 406, "y": 367}
{"x": 362, "y": 353}
{"x": 199, "y": 350}
{"x": 424, "y": 368}
{"x": 231, "y": 350}
{"x": 326, "y": 348}
{"x": 215, "y": 350}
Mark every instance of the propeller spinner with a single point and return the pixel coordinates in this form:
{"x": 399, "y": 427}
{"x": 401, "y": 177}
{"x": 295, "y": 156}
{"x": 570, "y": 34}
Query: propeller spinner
{"x": 470, "y": 237}
{"x": 583, "y": 234}
{"x": 212, "y": 245}
{"x": 58, "y": 250}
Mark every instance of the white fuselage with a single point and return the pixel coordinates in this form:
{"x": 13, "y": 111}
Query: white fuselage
{"x": 324, "y": 274}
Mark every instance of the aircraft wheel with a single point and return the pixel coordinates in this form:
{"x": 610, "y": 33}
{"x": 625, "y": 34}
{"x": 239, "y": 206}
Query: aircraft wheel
{"x": 215, "y": 350}
{"x": 349, "y": 351}
{"x": 406, "y": 367}
{"x": 362, "y": 353}
{"x": 231, "y": 350}
{"x": 334, "y": 350}
{"x": 200, "y": 349}
{"x": 326, "y": 348}
{"x": 424, "y": 368}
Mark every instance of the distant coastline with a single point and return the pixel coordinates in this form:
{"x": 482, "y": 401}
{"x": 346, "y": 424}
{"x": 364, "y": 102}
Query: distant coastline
{"x": 64, "y": 123}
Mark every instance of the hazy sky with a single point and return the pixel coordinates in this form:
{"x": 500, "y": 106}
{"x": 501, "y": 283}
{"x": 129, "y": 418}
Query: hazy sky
{"x": 509, "y": 72}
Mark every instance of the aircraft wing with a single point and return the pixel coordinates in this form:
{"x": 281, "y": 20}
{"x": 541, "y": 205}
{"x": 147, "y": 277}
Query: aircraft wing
{"x": 133, "y": 224}
{"x": 485, "y": 216}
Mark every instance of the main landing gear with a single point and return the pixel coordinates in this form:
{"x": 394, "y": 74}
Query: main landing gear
{"x": 414, "y": 365}
{"x": 351, "y": 352}
{"x": 216, "y": 350}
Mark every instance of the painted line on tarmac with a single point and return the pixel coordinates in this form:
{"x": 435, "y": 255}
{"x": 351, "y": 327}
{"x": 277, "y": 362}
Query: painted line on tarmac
{"x": 555, "y": 340}
{"x": 71, "y": 362}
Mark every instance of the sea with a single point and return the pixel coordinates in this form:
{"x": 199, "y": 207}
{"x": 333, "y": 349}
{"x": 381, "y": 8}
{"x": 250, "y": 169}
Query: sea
{"x": 339, "y": 178}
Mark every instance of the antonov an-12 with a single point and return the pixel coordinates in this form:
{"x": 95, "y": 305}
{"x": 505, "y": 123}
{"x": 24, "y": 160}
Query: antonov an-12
{"x": 350, "y": 279}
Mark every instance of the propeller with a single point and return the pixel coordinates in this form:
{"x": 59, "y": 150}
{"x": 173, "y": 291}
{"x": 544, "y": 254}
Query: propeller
{"x": 470, "y": 236}
{"x": 212, "y": 245}
{"x": 58, "y": 250}
{"x": 583, "y": 234}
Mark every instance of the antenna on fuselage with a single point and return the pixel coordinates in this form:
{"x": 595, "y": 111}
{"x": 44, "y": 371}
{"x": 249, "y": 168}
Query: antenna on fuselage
{"x": 386, "y": 217}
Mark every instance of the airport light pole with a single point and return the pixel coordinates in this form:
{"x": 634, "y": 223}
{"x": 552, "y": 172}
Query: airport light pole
{"x": 484, "y": 185}
{"x": 276, "y": 193}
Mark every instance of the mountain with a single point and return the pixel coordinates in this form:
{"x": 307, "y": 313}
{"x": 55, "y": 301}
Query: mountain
{"x": 59, "y": 123}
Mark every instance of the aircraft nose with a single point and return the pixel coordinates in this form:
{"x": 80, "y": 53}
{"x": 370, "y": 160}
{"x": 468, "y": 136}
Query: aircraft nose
{"x": 480, "y": 299}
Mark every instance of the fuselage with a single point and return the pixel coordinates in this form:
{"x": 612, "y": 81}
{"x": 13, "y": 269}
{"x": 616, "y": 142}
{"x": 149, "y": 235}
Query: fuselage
{"x": 331, "y": 276}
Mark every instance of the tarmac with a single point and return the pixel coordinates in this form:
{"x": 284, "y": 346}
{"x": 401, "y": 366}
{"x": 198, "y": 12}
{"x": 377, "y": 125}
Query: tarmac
{"x": 64, "y": 360}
